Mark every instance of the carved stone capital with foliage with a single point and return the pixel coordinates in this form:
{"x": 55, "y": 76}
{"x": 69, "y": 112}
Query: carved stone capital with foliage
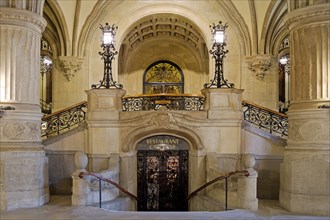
{"x": 69, "y": 65}
{"x": 259, "y": 64}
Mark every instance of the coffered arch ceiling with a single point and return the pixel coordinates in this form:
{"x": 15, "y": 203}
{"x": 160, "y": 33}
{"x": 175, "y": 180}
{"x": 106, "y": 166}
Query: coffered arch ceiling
{"x": 165, "y": 33}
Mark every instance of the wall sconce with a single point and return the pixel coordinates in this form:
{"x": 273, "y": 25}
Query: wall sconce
{"x": 109, "y": 51}
{"x": 3, "y": 109}
{"x": 218, "y": 53}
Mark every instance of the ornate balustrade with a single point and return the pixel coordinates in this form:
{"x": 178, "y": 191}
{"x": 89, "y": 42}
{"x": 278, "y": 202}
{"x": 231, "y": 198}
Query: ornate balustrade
{"x": 264, "y": 118}
{"x": 46, "y": 108}
{"x": 146, "y": 102}
{"x": 63, "y": 120}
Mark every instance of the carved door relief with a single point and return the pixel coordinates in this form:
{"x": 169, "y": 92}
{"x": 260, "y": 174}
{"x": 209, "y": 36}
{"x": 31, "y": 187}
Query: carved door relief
{"x": 162, "y": 174}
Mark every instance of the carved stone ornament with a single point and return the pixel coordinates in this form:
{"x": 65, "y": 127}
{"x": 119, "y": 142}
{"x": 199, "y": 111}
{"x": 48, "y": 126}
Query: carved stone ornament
{"x": 69, "y": 65}
{"x": 21, "y": 131}
{"x": 259, "y": 64}
{"x": 309, "y": 130}
{"x": 162, "y": 119}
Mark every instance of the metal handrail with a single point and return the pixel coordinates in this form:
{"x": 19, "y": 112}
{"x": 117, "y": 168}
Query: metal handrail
{"x": 63, "y": 119}
{"x": 194, "y": 193}
{"x": 100, "y": 178}
{"x": 265, "y": 118}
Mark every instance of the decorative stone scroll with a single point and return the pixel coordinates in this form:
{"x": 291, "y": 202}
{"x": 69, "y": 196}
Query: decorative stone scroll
{"x": 69, "y": 65}
{"x": 259, "y": 64}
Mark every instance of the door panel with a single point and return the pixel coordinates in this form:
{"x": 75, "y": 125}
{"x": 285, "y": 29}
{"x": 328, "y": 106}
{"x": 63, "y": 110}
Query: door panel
{"x": 162, "y": 180}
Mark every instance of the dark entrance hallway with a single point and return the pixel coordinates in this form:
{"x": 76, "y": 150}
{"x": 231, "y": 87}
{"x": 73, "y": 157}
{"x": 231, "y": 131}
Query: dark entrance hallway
{"x": 162, "y": 174}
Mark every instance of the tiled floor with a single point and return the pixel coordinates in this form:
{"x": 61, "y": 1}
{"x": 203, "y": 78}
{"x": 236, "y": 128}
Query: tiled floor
{"x": 60, "y": 208}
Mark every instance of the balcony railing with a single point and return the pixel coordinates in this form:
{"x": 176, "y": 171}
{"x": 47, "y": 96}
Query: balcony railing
{"x": 265, "y": 119}
{"x": 63, "y": 120}
{"x": 146, "y": 102}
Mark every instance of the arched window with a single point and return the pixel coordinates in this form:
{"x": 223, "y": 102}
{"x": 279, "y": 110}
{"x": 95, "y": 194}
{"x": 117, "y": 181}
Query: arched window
{"x": 163, "y": 77}
{"x": 284, "y": 74}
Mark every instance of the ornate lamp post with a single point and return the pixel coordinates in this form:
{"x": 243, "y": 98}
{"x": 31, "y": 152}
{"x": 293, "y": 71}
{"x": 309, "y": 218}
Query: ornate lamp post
{"x": 218, "y": 53}
{"x": 109, "y": 51}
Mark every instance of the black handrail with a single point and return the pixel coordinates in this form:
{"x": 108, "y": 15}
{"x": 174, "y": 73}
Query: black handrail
{"x": 63, "y": 119}
{"x": 194, "y": 193}
{"x": 265, "y": 118}
{"x": 100, "y": 178}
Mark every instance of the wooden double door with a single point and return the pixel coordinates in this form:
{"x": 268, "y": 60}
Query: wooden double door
{"x": 162, "y": 177}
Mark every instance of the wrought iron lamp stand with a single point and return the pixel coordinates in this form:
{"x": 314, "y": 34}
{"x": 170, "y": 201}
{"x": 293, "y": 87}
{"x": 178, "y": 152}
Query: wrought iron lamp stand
{"x": 218, "y": 53}
{"x": 108, "y": 54}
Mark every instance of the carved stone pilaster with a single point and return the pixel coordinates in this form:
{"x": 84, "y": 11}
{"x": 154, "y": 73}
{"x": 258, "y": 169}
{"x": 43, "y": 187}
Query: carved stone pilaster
{"x": 259, "y": 64}
{"x": 69, "y": 65}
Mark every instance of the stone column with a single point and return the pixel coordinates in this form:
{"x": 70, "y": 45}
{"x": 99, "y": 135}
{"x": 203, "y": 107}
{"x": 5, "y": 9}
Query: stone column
{"x": 24, "y": 166}
{"x": 304, "y": 183}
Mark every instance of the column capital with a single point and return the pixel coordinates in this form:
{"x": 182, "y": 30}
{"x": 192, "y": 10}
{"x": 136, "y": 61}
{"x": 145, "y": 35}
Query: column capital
{"x": 69, "y": 65}
{"x": 22, "y": 18}
{"x": 260, "y": 64}
{"x": 302, "y": 17}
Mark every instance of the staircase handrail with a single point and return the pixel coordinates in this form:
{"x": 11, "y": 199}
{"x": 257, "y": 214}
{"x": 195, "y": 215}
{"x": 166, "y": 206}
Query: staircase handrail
{"x": 63, "y": 119}
{"x": 100, "y": 177}
{"x": 264, "y": 108}
{"x": 265, "y": 118}
{"x": 193, "y": 193}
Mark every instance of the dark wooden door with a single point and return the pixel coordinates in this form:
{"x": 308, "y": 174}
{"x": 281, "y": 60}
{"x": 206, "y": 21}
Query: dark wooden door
{"x": 162, "y": 180}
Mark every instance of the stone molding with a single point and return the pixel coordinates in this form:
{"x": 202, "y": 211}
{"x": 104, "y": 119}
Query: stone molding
{"x": 69, "y": 65}
{"x": 309, "y": 127}
{"x": 23, "y": 18}
{"x": 299, "y": 18}
{"x": 306, "y": 130}
{"x": 259, "y": 64}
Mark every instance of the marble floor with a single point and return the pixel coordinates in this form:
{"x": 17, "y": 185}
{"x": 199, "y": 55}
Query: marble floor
{"x": 60, "y": 207}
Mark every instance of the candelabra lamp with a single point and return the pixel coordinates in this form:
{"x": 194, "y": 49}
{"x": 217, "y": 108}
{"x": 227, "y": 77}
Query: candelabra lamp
{"x": 108, "y": 54}
{"x": 218, "y": 53}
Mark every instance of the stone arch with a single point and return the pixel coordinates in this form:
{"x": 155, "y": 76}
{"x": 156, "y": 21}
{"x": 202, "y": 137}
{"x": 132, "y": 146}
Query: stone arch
{"x": 140, "y": 133}
{"x": 102, "y": 8}
{"x": 273, "y": 27}
{"x": 56, "y": 32}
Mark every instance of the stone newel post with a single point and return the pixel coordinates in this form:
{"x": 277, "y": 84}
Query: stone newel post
{"x": 80, "y": 187}
{"x": 247, "y": 186}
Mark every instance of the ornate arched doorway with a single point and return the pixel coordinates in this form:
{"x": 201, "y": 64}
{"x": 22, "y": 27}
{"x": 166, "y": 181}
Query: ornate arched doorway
{"x": 162, "y": 173}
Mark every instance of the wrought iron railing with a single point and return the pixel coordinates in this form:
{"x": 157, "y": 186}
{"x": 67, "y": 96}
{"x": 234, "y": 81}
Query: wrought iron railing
{"x": 46, "y": 108}
{"x": 194, "y": 193}
{"x": 63, "y": 120}
{"x": 266, "y": 119}
{"x": 146, "y": 102}
{"x": 100, "y": 179}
